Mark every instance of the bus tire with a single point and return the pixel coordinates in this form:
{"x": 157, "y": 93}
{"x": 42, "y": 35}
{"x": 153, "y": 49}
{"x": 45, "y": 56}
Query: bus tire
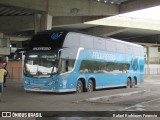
{"x": 79, "y": 88}
{"x": 133, "y": 84}
{"x": 128, "y": 83}
{"x": 90, "y": 86}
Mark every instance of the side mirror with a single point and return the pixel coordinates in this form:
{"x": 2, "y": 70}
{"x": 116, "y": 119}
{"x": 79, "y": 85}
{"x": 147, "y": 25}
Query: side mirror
{"x": 16, "y": 54}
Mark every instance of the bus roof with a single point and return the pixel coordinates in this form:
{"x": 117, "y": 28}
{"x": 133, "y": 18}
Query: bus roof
{"x": 90, "y": 34}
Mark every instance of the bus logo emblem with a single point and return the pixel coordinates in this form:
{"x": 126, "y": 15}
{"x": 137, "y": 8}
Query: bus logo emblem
{"x": 135, "y": 63}
{"x": 55, "y": 36}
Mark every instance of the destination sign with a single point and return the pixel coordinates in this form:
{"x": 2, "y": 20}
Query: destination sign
{"x": 42, "y": 48}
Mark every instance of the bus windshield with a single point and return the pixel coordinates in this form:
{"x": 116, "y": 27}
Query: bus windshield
{"x": 40, "y": 65}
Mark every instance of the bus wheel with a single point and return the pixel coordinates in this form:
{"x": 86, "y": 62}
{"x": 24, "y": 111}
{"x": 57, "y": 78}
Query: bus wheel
{"x": 128, "y": 83}
{"x": 90, "y": 86}
{"x": 133, "y": 83}
{"x": 79, "y": 88}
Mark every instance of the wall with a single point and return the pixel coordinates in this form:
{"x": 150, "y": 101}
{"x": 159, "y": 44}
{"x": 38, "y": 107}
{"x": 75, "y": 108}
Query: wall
{"x": 153, "y": 52}
{"x": 152, "y": 55}
{"x": 14, "y": 69}
{"x": 4, "y": 46}
{"x": 152, "y": 69}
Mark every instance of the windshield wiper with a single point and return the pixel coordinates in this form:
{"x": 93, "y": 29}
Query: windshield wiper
{"x": 53, "y": 73}
{"x": 39, "y": 73}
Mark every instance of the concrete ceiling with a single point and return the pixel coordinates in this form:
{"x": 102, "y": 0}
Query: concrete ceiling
{"x": 11, "y": 11}
{"x": 17, "y": 17}
{"x": 133, "y": 33}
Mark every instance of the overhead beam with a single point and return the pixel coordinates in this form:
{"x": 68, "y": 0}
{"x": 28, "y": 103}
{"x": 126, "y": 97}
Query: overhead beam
{"x": 128, "y": 22}
{"x": 23, "y": 23}
{"x": 13, "y": 38}
{"x": 152, "y": 39}
{"x": 65, "y": 20}
{"x": 66, "y": 7}
{"x": 16, "y": 23}
{"x": 133, "y": 5}
{"x": 105, "y": 31}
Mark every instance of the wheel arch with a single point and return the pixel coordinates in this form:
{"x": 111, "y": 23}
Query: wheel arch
{"x": 129, "y": 78}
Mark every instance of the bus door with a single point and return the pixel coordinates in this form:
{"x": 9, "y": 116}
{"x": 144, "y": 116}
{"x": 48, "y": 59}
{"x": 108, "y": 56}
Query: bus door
{"x": 67, "y": 72}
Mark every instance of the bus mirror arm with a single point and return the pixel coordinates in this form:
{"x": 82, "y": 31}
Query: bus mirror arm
{"x": 59, "y": 53}
{"x": 17, "y": 52}
{"x": 53, "y": 73}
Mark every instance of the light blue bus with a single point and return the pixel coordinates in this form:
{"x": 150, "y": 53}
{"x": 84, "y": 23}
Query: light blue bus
{"x": 65, "y": 61}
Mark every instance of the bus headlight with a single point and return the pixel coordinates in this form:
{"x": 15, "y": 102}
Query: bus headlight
{"x": 51, "y": 83}
{"x": 26, "y": 82}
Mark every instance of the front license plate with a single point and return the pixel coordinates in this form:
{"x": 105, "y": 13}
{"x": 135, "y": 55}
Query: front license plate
{"x": 37, "y": 88}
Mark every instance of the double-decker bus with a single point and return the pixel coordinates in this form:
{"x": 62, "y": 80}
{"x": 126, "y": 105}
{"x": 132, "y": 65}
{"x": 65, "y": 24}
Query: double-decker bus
{"x": 65, "y": 61}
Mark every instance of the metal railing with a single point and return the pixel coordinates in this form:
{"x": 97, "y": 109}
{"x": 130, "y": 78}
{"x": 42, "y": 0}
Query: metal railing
{"x": 152, "y": 71}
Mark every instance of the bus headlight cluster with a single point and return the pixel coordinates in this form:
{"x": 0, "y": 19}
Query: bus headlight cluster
{"x": 26, "y": 82}
{"x": 51, "y": 83}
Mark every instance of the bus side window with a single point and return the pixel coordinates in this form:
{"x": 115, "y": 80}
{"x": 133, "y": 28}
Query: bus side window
{"x": 67, "y": 65}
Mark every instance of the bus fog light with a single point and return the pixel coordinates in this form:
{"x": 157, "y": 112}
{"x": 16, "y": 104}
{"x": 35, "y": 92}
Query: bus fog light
{"x": 26, "y": 82}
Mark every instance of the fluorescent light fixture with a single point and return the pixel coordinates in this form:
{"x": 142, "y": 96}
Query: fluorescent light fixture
{"x": 112, "y": 2}
{"x": 105, "y": 1}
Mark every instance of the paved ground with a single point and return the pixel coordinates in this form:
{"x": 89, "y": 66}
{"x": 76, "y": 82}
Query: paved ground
{"x": 142, "y": 98}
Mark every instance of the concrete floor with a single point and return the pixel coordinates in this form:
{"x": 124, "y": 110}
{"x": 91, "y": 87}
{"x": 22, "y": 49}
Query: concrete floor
{"x": 142, "y": 98}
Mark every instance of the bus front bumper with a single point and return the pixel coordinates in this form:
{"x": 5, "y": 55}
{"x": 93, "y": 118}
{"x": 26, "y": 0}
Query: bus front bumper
{"x": 56, "y": 91}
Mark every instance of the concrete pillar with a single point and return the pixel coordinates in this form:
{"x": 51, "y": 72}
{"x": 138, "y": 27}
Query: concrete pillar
{"x": 46, "y": 23}
{"x": 42, "y": 22}
{"x": 148, "y": 57}
{"x": 37, "y": 22}
{"x": 4, "y": 45}
{"x": 1, "y": 35}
